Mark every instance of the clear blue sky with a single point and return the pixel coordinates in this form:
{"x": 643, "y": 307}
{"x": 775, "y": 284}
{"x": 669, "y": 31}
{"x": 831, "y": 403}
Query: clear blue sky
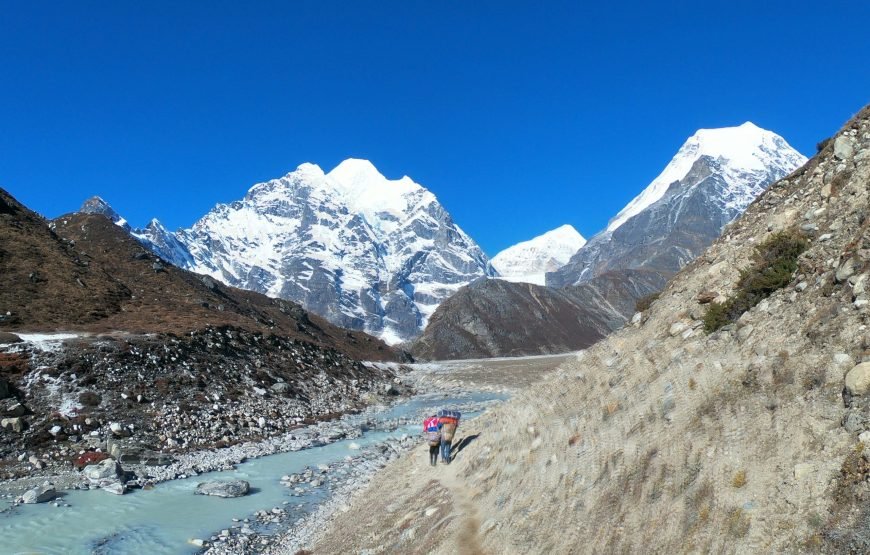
{"x": 519, "y": 116}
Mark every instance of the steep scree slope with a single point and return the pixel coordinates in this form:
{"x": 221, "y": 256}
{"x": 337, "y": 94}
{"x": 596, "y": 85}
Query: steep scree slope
{"x": 665, "y": 440}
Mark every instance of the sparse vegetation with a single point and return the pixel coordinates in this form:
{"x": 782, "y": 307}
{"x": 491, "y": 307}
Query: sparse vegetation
{"x": 775, "y": 262}
{"x": 737, "y": 523}
{"x": 739, "y": 479}
{"x": 643, "y": 303}
{"x": 820, "y": 146}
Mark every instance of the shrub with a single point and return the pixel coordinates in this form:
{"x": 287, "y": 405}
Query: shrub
{"x": 776, "y": 261}
{"x": 820, "y": 146}
{"x": 89, "y": 399}
{"x": 643, "y": 303}
{"x": 739, "y": 479}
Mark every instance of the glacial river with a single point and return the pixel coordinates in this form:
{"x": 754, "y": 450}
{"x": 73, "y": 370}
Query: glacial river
{"x": 164, "y": 519}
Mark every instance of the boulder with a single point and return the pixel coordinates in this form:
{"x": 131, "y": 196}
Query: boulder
{"x": 677, "y": 328}
{"x": 103, "y": 470}
{"x": 847, "y": 268}
{"x": 7, "y": 338}
{"x": 116, "y": 487}
{"x": 15, "y": 424}
{"x": 39, "y": 494}
{"x": 11, "y": 408}
{"x": 858, "y": 379}
{"x": 223, "y": 488}
{"x": 843, "y": 147}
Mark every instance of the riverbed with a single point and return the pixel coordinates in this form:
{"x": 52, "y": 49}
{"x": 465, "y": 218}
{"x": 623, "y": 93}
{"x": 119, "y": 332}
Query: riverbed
{"x": 166, "y": 518}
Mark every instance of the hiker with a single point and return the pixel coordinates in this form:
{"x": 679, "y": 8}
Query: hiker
{"x": 448, "y": 421}
{"x": 432, "y": 433}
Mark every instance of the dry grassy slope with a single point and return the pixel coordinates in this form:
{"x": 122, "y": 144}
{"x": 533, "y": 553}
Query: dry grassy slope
{"x": 663, "y": 439}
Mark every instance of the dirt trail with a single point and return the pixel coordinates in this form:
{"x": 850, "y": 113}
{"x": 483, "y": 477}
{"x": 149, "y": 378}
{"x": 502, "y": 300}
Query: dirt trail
{"x": 412, "y": 507}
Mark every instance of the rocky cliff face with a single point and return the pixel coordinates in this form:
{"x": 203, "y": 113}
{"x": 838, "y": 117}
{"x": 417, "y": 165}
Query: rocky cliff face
{"x": 494, "y": 317}
{"x": 365, "y": 252}
{"x": 714, "y": 176}
{"x": 664, "y": 439}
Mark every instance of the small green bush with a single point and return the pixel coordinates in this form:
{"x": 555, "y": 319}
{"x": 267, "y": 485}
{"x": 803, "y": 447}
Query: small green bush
{"x": 643, "y": 303}
{"x": 776, "y": 261}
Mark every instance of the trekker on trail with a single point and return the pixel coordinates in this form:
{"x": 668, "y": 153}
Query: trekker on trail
{"x": 432, "y": 433}
{"x": 448, "y": 421}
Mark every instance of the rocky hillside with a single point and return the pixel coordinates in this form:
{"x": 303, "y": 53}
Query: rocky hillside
{"x": 153, "y": 356}
{"x": 664, "y": 439}
{"x": 494, "y": 317}
{"x": 363, "y": 251}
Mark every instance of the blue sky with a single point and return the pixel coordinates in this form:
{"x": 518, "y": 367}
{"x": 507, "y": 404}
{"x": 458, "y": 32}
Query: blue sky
{"x": 520, "y": 116}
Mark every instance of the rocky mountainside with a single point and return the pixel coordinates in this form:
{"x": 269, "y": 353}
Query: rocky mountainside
{"x": 155, "y": 357}
{"x": 529, "y": 261}
{"x": 666, "y": 439}
{"x": 714, "y": 176}
{"x": 365, "y": 252}
{"x": 494, "y": 317}
{"x": 711, "y": 180}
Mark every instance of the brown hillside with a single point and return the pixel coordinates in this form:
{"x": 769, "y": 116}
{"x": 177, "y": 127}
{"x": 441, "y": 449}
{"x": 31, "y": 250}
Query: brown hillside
{"x": 81, "y": 272}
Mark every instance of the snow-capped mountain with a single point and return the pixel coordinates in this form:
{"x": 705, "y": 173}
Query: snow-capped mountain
{"x": 364, "y": 251}
{"x": 529, "y": 261}
{"x": 714, "y": 176}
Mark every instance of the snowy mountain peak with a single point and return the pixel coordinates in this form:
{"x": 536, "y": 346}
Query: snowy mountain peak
{"x": 529, "y": 261}
{"x": 361, "y": 250}
{"x": 740, "y": 150}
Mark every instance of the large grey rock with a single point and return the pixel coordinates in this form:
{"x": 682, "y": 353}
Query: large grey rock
{"x": 39, "y": 494}
{"x": 843, "y": 147}
{"x": 847, "y": 269}
{"x": 224, "y": 488}
{"x": 103, "y": 470}
{"x": 858, "y": 379}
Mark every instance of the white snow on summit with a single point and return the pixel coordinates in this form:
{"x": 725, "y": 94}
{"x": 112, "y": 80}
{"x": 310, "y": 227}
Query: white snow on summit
{"x": 529, "y": 261}
{"x": 363, "y": 251}
{"x": 741, "y": 150}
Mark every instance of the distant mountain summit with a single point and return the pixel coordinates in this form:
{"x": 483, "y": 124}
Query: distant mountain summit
{"x": 711, "y": 180}
{"x": 96, "y": 205}
{"x": 365, "y": 252}
{"x": 529, "y": 261}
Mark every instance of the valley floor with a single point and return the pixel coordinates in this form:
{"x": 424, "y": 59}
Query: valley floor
{"x": 410, "y": 506}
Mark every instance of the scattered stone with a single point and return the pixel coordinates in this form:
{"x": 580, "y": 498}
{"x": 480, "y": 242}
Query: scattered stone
{"x": 847, "y": 268}
{"x": 677, "y": 328}
{"x": 802, "y": 470}
{"x": 11, "y": 408}
{"x": 39, "y": 494}
{"x": 224, "y": 488}
{"x": 103, "y": 470}
{"x": 15, "y": 424}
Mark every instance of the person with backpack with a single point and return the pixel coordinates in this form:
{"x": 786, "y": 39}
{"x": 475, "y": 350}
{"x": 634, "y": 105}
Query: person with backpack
{"x": 448, "y": 421}
{"x": 432, "y": 434}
